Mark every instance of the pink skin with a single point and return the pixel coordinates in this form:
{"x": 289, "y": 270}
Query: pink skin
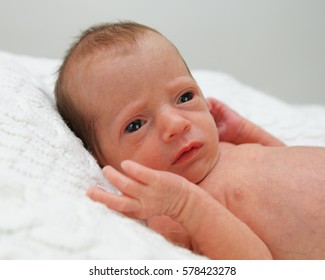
{"x": 148, "y": 108}
{"x": 146, "y": 192}
{"x": 235, "y": 129}
{"x": 232, "y": 127}
{"x": 158, "y": 135}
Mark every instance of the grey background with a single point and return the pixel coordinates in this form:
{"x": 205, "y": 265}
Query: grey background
{"x": 276, "y": 46}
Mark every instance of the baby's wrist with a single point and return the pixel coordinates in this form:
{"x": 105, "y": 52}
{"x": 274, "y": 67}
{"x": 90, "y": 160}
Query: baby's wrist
{"x": 185, "y": 205}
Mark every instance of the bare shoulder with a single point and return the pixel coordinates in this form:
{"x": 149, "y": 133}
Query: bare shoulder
{"x": 226, "y": 145}
{"x": 278, "y": 192}
{"x": 236, "y": 154}
{"x": 300, "y": 162}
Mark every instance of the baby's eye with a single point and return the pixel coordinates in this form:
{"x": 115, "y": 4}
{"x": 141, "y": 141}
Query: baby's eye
{"x": 134, "y": 126}
{"x": 185, "y": 97}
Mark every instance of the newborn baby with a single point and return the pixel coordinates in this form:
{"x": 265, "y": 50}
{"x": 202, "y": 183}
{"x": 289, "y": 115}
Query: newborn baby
{"x": 127, "y": 93}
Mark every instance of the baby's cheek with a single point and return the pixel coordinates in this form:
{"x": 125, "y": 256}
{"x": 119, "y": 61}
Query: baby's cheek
{"x": 211, "y": 119}
{"x": 209, "y": 123}
{"x": 151, "y": 156}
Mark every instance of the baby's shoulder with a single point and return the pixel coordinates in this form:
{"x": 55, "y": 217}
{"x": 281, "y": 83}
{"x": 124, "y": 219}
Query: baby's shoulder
{"x": 228, "y": 150}
{"x": 226, "y": 145}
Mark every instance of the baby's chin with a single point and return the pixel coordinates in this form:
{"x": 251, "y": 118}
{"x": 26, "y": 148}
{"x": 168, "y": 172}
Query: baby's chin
{"x": 204, "y": 170}
{"x": 197, "y": 179}
{"x": 199, "y": 174}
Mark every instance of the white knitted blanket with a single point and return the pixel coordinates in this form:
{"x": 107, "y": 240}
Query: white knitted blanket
{"x": 44, "y": 169}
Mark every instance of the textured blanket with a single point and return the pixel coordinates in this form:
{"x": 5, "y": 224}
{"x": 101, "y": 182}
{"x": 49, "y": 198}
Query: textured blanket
{"x": 44, "y": 169}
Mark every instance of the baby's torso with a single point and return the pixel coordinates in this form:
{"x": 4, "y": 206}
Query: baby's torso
{"x": 278, "y": 192}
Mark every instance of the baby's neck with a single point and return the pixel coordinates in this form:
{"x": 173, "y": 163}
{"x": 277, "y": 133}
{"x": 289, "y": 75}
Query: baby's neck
{"x": 212, "y": 183}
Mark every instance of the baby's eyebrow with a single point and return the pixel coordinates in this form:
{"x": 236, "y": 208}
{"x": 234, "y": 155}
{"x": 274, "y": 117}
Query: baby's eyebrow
{"x": 181, "y": 82}
{"x": 129, "y": 109}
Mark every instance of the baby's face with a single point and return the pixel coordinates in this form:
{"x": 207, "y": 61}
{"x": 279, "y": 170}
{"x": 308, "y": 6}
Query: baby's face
{"x": 148, "y": 108}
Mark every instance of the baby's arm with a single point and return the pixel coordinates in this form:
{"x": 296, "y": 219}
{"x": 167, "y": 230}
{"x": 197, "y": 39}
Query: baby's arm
{"x": 235, "y": 129}
{"x": 214, "y": 230}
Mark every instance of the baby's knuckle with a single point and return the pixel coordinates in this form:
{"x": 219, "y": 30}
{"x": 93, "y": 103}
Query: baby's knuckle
{"x": 155, "y": 177}
{"x": 124, "y": 185}
{"x": 122, "y": 207}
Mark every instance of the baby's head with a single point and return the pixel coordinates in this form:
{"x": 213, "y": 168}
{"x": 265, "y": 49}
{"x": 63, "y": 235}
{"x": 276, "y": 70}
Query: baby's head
{"x": 127, "y": 93}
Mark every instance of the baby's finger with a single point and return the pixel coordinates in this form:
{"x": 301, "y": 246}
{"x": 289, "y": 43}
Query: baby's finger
{"x": 125, "y": 184}
{"x": 139, "y": 172}
{"x": 118, "y": 203}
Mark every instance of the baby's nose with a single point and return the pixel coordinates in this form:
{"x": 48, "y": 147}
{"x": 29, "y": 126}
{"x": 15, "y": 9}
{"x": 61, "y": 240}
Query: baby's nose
{"x": 172, "y": 125}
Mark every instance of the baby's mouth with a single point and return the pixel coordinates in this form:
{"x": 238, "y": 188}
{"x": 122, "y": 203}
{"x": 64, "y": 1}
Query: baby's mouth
{"x": 187, "y": 153}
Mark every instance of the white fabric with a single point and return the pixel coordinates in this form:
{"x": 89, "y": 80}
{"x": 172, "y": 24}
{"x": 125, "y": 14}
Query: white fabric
{"x": 44, "y": 172}
{"x": 44, "y": 169}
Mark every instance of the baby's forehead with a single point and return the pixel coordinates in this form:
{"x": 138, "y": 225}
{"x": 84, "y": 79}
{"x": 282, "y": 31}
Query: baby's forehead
{"x": 146, "y": 40}
{"x": 87, "y": 68}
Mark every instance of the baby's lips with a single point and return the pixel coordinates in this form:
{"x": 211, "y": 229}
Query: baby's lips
{"x": 187, "y": 148}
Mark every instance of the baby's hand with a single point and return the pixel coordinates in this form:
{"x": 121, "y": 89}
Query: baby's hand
{"x": 235, "y": 129}
{"x": 145, "y": 192}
